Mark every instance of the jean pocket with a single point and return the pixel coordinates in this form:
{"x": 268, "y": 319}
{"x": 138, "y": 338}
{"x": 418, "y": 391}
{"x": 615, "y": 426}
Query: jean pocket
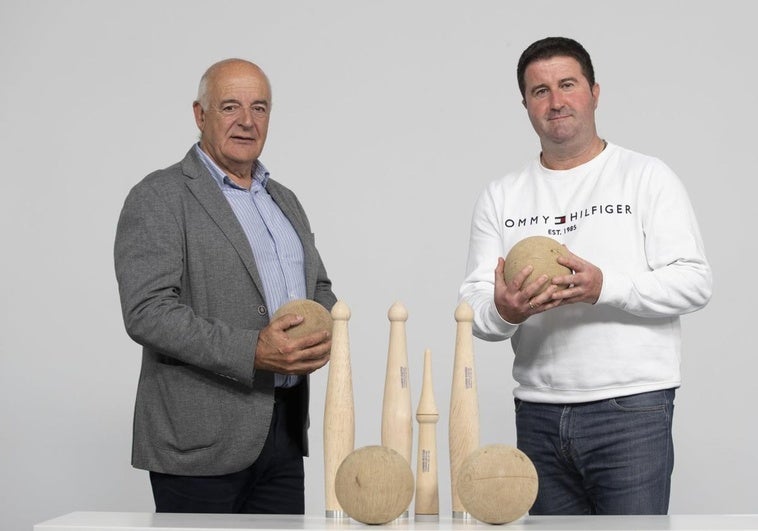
{"x": 652, "y": 401}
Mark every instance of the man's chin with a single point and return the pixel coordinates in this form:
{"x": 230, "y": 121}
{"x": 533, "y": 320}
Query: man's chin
{"x": 244, "y": 156}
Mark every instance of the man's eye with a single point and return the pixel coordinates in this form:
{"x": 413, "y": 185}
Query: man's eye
{"x": 228, "y": 109}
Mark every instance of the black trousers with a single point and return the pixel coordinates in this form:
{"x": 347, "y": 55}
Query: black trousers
{"x": 273, "y": 484}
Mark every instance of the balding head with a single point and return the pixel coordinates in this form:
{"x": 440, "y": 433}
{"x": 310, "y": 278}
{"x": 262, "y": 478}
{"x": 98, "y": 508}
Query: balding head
{"x": 228, "y": 66}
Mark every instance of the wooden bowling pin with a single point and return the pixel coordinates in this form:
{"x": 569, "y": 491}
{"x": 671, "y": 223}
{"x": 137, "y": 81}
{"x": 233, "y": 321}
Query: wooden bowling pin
{"x": 397, "y": 419}
{"x": 427, "y": 485}
{"x": 397, "y": 422}
{"x": 463, "y": 423}
{"x": 339, "y": 409}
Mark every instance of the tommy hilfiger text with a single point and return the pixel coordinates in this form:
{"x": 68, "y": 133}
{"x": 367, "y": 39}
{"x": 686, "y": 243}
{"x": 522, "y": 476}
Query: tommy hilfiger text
{"x": 570, "y": 217}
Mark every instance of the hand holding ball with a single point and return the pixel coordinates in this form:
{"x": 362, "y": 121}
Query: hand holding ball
{"x": 316, "y": 318}
{"x": 540, "y": 252}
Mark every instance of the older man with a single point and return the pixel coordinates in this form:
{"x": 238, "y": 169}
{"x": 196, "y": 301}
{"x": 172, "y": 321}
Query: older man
{"x": 205, "y": 252}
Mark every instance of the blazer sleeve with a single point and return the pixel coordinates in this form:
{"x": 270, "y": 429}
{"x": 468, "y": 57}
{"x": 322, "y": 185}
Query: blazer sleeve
{"x": 149, "y": 255}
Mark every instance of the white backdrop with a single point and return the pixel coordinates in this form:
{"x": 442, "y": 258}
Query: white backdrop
{"x": 389, "y": 118}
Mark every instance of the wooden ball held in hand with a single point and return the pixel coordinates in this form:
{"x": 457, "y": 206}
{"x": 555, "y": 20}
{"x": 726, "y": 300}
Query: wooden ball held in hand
{"x": 497, "y": 484}
{"x": 316, "y": 318}
{"x": 374, "y": 484}
{"x": 540, "y": 252}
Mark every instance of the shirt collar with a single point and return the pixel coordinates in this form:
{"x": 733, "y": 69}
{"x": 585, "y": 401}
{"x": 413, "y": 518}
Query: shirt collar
{"x": 260, "y": 173}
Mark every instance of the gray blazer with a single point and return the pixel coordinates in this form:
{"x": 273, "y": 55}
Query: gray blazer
{"x": 192, "y": 297}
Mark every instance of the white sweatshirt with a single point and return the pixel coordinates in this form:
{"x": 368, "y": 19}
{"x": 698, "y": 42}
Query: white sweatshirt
{"x": 629, "y": 215}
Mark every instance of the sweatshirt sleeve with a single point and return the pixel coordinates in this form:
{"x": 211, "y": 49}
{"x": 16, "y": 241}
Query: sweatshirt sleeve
{"x": 678, "y": 278}
{"x": 478, "y": 288}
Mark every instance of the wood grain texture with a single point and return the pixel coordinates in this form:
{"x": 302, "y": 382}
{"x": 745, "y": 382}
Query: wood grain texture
{"x": 463, "y": 423}
{"x": 339, "y": 406}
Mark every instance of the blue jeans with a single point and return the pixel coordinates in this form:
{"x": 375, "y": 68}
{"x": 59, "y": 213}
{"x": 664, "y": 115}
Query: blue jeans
{"x": 607, "y": 457}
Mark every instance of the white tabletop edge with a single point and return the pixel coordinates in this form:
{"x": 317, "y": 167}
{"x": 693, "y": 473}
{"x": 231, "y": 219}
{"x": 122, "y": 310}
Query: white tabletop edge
{"x": 138, "y": 521}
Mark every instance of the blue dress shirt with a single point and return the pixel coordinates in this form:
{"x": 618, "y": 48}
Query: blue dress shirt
{"x": 276, "y": 246}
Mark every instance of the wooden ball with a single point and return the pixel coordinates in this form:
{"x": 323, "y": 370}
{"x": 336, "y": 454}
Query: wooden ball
{"x": 497, "y": 484}
{"x": 374, "y": 484}
{"x": 316, "y": 318}
{"x": 540, "y": 252}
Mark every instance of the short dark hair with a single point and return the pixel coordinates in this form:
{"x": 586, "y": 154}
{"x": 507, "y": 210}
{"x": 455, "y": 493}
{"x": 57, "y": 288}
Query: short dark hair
{"x": 552, "y": 47}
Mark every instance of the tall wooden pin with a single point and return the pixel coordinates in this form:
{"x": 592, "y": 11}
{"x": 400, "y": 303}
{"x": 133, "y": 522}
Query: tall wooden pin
{"x": 427, "y": 484}
{"x": 463, "y": 423}
{"x": 339, "y": 409}
{"x": 397, "y": 420}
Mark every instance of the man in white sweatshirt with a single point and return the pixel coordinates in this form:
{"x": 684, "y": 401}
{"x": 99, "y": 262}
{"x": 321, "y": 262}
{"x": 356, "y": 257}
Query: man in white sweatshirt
{"x": 597, "y": 363}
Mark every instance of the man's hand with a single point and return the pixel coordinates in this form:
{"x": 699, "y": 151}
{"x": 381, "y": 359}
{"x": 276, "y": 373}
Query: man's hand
{"x": 277, "y": 352}
{"x": 515, "y": 302}
{"x": 584, "y": 284}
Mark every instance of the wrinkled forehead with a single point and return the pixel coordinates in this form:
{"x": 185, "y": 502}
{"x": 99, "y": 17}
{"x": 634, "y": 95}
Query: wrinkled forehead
{"x": 238, "y": 80}
{"x": 553, "y": 68}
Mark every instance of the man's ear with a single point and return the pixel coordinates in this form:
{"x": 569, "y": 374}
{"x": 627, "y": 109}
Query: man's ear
{"x": 596, "y": 94}
{"x": 197, "y": 109}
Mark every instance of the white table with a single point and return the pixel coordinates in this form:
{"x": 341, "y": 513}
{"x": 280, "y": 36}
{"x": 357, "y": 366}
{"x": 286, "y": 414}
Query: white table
{"x": 104, "y": 521}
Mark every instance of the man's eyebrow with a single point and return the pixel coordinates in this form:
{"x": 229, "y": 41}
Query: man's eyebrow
{"x": 234, "y": 100}
{"x": 560, "y": 81}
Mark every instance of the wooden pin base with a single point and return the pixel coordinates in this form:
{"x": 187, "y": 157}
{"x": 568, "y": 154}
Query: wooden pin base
{"x": 337, "y": 515}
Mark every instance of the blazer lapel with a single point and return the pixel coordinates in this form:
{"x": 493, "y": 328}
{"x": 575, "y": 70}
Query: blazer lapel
{"x": 294, "y": 215}
{"x": 206, "y": 191}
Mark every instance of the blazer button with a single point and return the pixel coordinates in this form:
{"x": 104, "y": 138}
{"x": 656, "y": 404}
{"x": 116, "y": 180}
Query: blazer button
{"x": 262, "y": 310}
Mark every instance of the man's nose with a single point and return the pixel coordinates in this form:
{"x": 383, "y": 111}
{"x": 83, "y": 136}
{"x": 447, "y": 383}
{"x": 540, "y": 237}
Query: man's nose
{"x": 246, "y": 117}
{"x": 556, "y": 99}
